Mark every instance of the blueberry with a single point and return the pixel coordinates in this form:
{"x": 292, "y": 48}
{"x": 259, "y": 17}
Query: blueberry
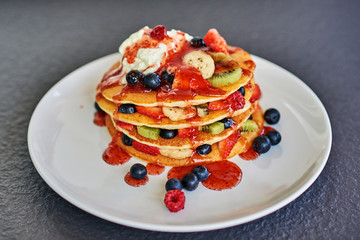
{"x": 197, "y": 42}
{"x": 138, "y": 171}
{"x": 127, "y": 140}
{"x": 201, "y": 172}
{"x": 242, "y": 91}
{"x": 97, "y": 107}
{"x": 261, "y": 144}
{"x": 168, "y": 133}
{"x": 127, "y": 108}
{"x": 173, "y": 184}
{"x": 133, "y": 77}
{"x": 190, "y": 182}
{"x": 228, "y": 122}
{"x": 274, "y": 137}
{"x": 204, "y": 149}
{"x": 167, "y": 77}
{"x": 272, "y": 116}
{"x": 250, "y": 118}
{"x": 151, "y": 81}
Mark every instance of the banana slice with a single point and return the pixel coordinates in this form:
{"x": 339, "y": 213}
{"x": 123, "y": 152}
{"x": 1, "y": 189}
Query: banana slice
{"x": 178, "y": 113}
{"x": 202, "y": 62}
{"x": 176, "y": 153}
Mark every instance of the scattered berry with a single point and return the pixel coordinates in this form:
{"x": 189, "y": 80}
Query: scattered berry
{"x": 201, "y": 173}
{"x": 127, "y": 140}
{"x": 172, "y": 184}
{"x": 133, "y": 77}
{"x": 153, "y": 151}
{"x": 174, "y": 200}
{"x": 261, "y": 144}
{"x": 168, "y": 133}
{"x": 127, "y": 108}
{"x": 242, "y": 91}
{"x": 272, "y": 116}
{"x": 274, "y": 137}
{"x": 190, "y": 182}
{"x": 167, "y": 77}
{"x": 228, "y": 122}
{"x": 250, "y": 117}
{"x": 158, "y": 33}
{"x": 197, "y": 42}
{"x": 215, "y": 41}
{"x": 97, "y": 107}
{"x": 138, "y": 171}
{"x": 204, "y": 149}
{"x": 151, "y": 81}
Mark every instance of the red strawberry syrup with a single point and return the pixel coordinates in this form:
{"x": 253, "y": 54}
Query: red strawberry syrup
{"x": 99, "y": 118}
{"x": 134, "y": 182}
{"x": 114, "y": 155}
{"x": 154, "y": 169}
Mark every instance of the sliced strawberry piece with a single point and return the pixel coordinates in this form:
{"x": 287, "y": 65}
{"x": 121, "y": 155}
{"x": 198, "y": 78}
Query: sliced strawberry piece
{"x": 154, "y": 112}
{"x": 226, "y": 145}
{"x": 126, "y": 126}
{"x": 256, "y": 94}
{"x": 218, "y": 105}
{"x": 234, "y": 101}
{"x": 199, "y": 83}
{"x": 153, "y": 151}
{"x": 188, "y": 132}
{"x": 215, "y": 41}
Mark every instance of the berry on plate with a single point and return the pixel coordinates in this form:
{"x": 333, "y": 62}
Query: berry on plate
{"x": 174, "y": 200}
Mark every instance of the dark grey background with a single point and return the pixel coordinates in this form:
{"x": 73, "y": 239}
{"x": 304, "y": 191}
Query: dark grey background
{"x": 42, "y": 41}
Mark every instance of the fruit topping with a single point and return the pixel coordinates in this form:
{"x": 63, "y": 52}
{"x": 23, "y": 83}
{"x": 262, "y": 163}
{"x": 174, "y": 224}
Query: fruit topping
{"x": 173, "y": 184}
{"x": 133, "y": 77}
{"x": 198, "y": 84}
{"x": 233, "y": 102}
{"x": 178, "y": 113}
{"x": 201, "y": 173}
{"x": 168, "y": 133}
{"x": 190, "y": 181}
{"x": 274, "y": 137}
{"x": 228, "y": 122}
{"x": 242, "y": 91}
{"x": 126, "y": 126}
{"x": 174, "y": 200}
{"x": 97, "y": 107}
{"x": 249, "y": 126}
{"x": 227, "y": 70}
{"x": 201, "y": 61}
{"x": 197, "y": 42}
{"x": 148, "y": 132}
{"x": 151, "y": 81}
{"x": 154, "y": 112}
{"x": 215, "y": 41}
{"x": 256, "y": 94}
{"x": 126, "y": 140}
{"x": 226, "y": 145}
{"x": 153, "y": 151}
{"x": 188, "y": 132}
{"x": 250, "y": 117}
{"x": 216, "y": 128}
{"x": 261, "y": 144}
{"x": 159, "y": 32}
{"x": 202, "y": 110}
{"x": 167, "y": 77}
{"x": 127, "y": 108}
{"x": 272, "y": 116}
{"x": 176, "y": 153}
{"x": 138, "y": 171}
{"x": 204, "y": 149}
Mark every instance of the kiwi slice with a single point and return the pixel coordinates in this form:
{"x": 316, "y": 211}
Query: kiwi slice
{"x": 227, "y": 70}
{"x": 148, "y": 132}
{"x": 249, "y": 126}
{"x": 204, "y": 128}
{"x": 216, "y": 128}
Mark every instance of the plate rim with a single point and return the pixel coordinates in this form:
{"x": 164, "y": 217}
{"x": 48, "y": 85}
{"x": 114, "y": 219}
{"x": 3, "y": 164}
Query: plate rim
{"x": 179, "y": 228}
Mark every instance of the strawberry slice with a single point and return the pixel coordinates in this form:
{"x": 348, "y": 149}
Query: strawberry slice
{"x": 226, "y": 145}
{"x": 153, "y": 151}
{"x": 126, "y": 126}
{"x": 188, "y": 132}
{"x": 234, "y": 101}
{"x": 215, "y": 41}
{"x": 199, "y": 83}
{"x": 256, "y": 94}
{"x": 154, "y": 112}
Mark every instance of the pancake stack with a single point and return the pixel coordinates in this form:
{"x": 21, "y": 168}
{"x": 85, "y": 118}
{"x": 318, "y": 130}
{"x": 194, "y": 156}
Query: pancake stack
{"x": 195, "y": 107}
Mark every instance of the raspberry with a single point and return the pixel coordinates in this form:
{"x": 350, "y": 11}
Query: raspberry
{"x": 174, "y": 200}
{"x": 158, "y": 33}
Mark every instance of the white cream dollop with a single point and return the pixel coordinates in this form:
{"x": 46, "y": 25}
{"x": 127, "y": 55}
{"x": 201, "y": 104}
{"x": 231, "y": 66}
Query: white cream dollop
{"x": 131, "y": 40}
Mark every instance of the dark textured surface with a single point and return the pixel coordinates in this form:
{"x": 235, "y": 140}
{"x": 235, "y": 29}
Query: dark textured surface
{"x": 40, "y": 42}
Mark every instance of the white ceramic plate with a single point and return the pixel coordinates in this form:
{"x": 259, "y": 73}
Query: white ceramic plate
{"x": 66, "y": 149}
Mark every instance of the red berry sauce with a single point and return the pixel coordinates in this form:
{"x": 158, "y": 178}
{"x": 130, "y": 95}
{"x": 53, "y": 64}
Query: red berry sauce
{"x": 99, "y": 118}
{"x": 154, "y": 169}
{"x": 134, "y": 182}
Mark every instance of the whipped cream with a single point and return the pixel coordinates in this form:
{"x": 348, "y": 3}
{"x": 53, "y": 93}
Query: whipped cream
{"x": 148, "y": 60}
